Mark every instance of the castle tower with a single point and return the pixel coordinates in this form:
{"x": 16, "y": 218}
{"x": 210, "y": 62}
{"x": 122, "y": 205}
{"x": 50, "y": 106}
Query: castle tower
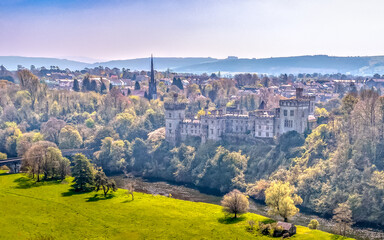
{"x": 152, "y": 91}
{"x": 294, "y": 113}
{"x": 174, "y": 115}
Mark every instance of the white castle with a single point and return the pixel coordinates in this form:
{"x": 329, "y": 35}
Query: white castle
{"x": 294, "y": 114}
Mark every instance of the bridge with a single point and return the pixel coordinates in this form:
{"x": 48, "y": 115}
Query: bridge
{"x": 14, "y": 164}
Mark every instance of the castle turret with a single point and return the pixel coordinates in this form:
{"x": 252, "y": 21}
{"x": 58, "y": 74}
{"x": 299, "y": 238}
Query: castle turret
{"x": 174, "y": 115}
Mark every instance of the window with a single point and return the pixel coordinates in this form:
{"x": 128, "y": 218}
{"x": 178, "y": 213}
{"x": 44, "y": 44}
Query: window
{"x": 302, "y": 115}
{"x": 170, "y": 130}
{"x": 211, "y": 131}
{"x": 288, "y": 123}
{"x": 259, "y": 126}
{"x": 170, "y": 124}
{"x": 259, "y": 133}
{"x": 237, "y": 128}
{"x": 267, "y": 134}
{"x": 170, "y": 115}
{"x": 191, "y": 131}
{"x": 241, "y": 128}
{"x": 179, "y": 115}
{"x": 267, "y": 128}
{"x": 212, "y": 122}
{"x": 292, "y": 113}
{"x": 285, "y": 113}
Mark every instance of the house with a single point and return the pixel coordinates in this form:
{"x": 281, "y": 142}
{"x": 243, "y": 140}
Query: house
{"x": 286, "y": 228}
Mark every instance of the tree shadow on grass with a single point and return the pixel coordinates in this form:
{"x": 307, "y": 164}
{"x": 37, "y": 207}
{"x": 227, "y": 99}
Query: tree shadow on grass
{"x": 127, "y": 201}
{"x": 268, "y": 221}
{"x": 72, "y": 192}
{"x": 98, "y": 197}
{"x": 231, "y": 220}
{"x": 25, "y": 182}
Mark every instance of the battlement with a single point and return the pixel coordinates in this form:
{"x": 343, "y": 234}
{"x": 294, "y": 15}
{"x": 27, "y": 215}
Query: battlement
{"x": 294, "y": 102}
{"x": 174, "y": 106}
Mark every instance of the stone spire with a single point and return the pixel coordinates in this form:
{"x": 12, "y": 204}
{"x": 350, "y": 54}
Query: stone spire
{"x": 152, "y": 94}
{"x": 152, "y": 72}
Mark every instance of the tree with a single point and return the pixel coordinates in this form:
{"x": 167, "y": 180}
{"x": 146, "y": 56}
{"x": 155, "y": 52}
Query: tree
{"x": 103, "y": 88}
{"x": 51, "y": 129}
{"x": 137, "y": 85}
{"x": 343, "y": 217}
{"x": 86, "y": 86}
{"x": 281, "y": 200}
{"x": 31, "y": 83}
{"x": 235, "y": 203}
{"x": 111, "y": 155}
{"x": 102, "y": 181}
{"x": 93, "y": 86}
{"x": 130, "y": 189}
{"x": 70, "y": 138}
{"x": 313, "y": 224}
{"x": 140, "y": 155}
{"x": 45, "y": 158}
{"x": 76, "y": 85}
{"x": 82, "y": 171}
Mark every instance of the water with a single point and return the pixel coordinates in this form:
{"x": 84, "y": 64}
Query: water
{"x": 191, "y": 193}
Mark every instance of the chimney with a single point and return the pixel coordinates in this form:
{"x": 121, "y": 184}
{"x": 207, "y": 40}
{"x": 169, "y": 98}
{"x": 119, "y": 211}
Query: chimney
{"x": 299, "y": 93}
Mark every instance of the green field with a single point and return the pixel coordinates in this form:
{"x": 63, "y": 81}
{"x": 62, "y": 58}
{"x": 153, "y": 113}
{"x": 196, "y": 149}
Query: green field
{"x": 51, "y": 211}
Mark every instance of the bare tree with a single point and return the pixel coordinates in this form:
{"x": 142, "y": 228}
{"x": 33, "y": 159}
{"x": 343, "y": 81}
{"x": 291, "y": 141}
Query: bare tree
{"x": 131, "y": 188}
{"x": 235, "y": 203}
{"x": 343, "y": 217}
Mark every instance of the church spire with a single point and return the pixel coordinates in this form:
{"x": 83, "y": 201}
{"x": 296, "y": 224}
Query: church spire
{"x": 152, "y": 83}
{"x": 152, "y": 72}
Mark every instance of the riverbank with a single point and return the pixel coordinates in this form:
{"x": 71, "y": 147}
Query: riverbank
{"x": 191, "y": 193}
{"x": 50, "y": 210}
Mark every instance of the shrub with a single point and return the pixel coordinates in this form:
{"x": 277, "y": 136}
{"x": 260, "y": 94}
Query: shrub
{"x": 267, "y": 229}
{"x": 313, "y": 224}
{"x": 251, "y": 225}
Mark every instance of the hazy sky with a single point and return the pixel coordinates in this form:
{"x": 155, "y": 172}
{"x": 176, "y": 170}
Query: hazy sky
{"x": 117, "y": 29}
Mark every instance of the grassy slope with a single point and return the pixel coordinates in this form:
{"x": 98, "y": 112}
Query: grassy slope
{"x": 29, "y": 210}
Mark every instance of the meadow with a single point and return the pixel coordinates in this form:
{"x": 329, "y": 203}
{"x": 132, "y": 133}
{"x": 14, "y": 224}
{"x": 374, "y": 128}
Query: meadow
{"x": 50, "y": 210}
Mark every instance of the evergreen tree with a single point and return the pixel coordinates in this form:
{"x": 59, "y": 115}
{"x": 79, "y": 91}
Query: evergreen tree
{"x": 82, "y": 171}
{"x": 76, "y": 86}
{"x": 129, "y": 91}
{"x": 137, "y": 85}
{"x": 110, "y": 86}
{"x": 93, "y": 86}
{"x": 180, "y": 84}
{"x": 146, "y": 95}
{"x": 103, "y": 88}
{"x": 86, "y": 83}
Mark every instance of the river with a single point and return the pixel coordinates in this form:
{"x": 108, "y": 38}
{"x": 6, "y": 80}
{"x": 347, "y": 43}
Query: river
{"x": 191, "y": 193}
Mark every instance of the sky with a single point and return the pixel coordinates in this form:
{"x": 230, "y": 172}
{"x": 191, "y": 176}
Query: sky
{"x": 91, "y": 30}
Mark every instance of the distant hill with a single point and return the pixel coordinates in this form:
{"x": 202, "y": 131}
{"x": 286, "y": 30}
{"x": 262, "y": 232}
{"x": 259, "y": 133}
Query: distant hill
{"x": 161, "y": 63}
{"x": 298, "y": 64}
{"x": 11, "y": 62}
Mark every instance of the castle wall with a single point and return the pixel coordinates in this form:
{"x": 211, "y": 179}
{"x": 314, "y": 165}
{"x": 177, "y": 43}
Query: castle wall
{"x": 291, "y": 116}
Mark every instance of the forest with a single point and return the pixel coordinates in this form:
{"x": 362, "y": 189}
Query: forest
{"x": 340, "y": 161}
